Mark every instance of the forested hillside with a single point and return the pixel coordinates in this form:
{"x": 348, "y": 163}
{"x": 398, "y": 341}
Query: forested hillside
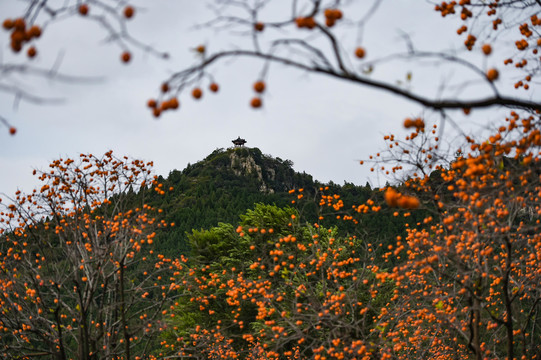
{"x": 239, "y": 256}
{"x": 100, "y": 262}
{"x": 230, "y": 181}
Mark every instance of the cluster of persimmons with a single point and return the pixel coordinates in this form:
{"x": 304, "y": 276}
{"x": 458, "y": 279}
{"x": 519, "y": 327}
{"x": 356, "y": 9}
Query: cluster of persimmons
{"x": 461, "y": 281}
{"x": 80, "y": 278}
{"x": 25, "y": 30}
{"x": 324, "y": 18}
{"x": 331, "y": 16}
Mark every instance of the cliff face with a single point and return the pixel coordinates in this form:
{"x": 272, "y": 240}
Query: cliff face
{"x": 271, "y": 174}
{"x": 246, "y": 166}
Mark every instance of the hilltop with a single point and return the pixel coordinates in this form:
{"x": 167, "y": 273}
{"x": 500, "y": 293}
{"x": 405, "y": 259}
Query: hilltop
{"x": 228, "y": 182}
{"x": 220, "y": 187}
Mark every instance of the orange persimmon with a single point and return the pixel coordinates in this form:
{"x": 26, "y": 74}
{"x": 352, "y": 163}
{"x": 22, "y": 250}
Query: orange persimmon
{"x": 256, "y": 102}
{"x": 197, "y": 93}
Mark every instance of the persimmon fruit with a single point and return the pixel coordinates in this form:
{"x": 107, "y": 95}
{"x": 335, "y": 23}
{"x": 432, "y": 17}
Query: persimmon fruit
{"x": 8, "y": 24}
{"x": 259, "y": 86}
{"x": 173, "y": 103}
{"x": 256, "y": 103}
{"x": 32, "y": 52}
{"x": 34, "y": 32}
{"x": 197, "y": 93}
{"x": 360, "y": 52}
{"x": 129, "y": 11}
{"x": 126, "y": 57}
{"x": 19, "y": 24}
{"x": 83, "y": 9}
{"x": 492, "y": 75}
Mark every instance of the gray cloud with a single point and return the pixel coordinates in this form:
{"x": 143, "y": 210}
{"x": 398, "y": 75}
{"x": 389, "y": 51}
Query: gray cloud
{"x": 322, "y": 125}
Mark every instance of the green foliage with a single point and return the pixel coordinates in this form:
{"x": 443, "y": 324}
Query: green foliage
{"x": 312, "y": 282}
{"x": 269, "y": 217}
{"x": 220, "y": 244}
{"x": 229, "y": 182}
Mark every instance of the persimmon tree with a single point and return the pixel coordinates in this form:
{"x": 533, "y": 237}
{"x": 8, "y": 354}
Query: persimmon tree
{"x": 37, "y": 18}
{"x": 326, "y": 38}
{"x": 323, "y": 38}
{"x": 467, "y": 284}
{"x": 461, "y": 283}
{"x": 466, "y": 276}
{"x": 79, "y": 277}
{"x": 468, "y": 281}
{"x": 277, "y": 288}
{"x": 464, "y": 281}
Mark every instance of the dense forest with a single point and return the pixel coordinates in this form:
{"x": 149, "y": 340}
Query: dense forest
{"x": 240, "y": 256}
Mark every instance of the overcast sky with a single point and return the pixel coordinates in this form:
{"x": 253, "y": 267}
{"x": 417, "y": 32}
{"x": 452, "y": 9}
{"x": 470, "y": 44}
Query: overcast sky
{"x": 324, "y": 126}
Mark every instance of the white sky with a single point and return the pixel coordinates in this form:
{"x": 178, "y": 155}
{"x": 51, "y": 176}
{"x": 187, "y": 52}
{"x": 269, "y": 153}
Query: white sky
{"x": 324, "y": 126}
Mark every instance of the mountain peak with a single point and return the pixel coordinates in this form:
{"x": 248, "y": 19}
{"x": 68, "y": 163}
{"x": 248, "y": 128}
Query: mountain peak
{"x": 227, "y": 183}
{"x": 271, "y": 174}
